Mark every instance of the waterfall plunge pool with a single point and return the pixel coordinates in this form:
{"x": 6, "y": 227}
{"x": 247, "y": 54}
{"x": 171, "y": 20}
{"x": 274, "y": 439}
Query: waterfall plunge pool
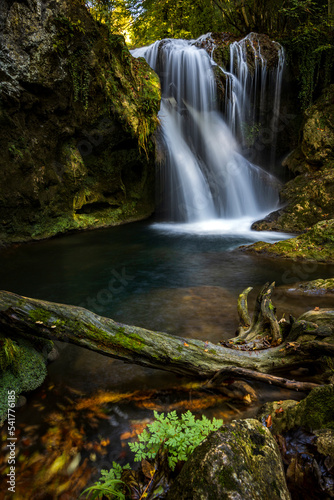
{"x": 181, "y": 282}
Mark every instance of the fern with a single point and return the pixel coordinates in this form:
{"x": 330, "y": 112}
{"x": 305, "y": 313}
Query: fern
{"x": 110, "y": 483}
{"x": 179, "y": 437}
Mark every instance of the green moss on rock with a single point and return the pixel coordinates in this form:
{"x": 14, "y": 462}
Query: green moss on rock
{"x": 314, "y": 287}
{"x": 85, "y": 156}
{"x": 317, "y": 244}
{"x": 28, "y": 374}
{"x": 240, "y": 460}
{"x": 314, "y": 412}
{"x": 309, "y": 197}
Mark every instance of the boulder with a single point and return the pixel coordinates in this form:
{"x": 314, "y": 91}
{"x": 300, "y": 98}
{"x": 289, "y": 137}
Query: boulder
{"x": 77, "y": 112}
{"x": 315, "y": 412}
{"x": 24, "y": 372}
{"x": 240, "y": 461}
{"x": 305, "y": 431}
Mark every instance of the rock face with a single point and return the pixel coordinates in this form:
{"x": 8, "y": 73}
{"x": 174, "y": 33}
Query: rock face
{"x": 314, "y": 287}
{"x": 309, "y": 197}
{"x": 76, "y": 112}
{"x": 241, "y": 461}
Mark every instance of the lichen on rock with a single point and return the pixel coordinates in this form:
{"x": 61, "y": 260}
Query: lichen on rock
{"x": 314, "y": 412}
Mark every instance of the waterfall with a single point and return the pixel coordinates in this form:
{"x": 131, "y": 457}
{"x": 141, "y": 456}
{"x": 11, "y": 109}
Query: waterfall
{"x": 253, "y": 91}
{"x": 203, "y": 175}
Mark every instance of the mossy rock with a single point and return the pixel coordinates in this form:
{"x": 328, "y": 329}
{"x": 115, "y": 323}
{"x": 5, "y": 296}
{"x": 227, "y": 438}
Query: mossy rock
{"x": 314, "y": 287}
{"x": 314, "y": 412}
{"x": 239, "y": 461}
{"x": 317, "y": 244}
{"x": 26, "y": 373}
{"x": 85, "y": 157}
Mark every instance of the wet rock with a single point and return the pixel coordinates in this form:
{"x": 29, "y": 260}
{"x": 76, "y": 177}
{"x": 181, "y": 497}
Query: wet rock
{"x": 26, "y": 373}
{"x": 304, "y": 431}
{"x": 239, "y": 461}
{"x": 314, "y": 287}
{"x": 22, "y": 400}
{"x": 317, "y": 244}
{"x": 53, "y": 354}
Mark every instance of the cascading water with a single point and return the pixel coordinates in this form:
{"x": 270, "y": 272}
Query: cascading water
{"x": 203, "y": 174}
{"x": 253, "y": 91}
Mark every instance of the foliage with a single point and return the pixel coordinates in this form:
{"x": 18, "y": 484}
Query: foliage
{"x": 156, "y": 19}
{"x": 303, "y": 26}
{"x": 9, "y": 354}
{"x": 113, "y": 13}
{"x": 179, "y": 436}
{"x": 165, "y": 442}
{"x": 109, "y": 484}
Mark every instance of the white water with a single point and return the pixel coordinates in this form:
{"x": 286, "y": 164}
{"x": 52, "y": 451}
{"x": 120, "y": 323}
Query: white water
{"x": 203, "y": 176}
{"x": 251, "y": 92}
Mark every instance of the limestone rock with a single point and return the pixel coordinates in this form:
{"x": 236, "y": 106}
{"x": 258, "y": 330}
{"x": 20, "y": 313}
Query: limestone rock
{"x": 240, "y": 461}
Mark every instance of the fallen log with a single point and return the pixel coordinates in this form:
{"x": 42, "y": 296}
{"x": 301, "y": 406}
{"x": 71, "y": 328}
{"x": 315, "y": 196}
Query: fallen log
{"x": 31, "y": 318}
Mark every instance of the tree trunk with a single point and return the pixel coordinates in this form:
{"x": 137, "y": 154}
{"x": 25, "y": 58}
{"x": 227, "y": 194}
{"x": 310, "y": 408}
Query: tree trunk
{"x": 37, "y": 318}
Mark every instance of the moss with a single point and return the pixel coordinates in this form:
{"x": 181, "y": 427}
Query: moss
{"x": 317, "y": 244}
{"x": 236, "y": 461}
{"x": 130, "y": 340}
{"x": 314, "y": 412}
{"x": 319, "y": 286}
{"x": 308, "y": 198}
{"x": 9, "y": 354}
{"x": 226, "y": 478}
{"x": 40, "y": 315}
{"x": 87, "y": 160}
{"x": 28, "y": 375}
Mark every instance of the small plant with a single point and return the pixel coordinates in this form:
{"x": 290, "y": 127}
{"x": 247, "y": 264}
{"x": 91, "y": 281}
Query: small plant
{"x": 167, "y": 441}
{"x": 179, "y": 437}
{"x": 110, "y": 483}
{"x": 9, "y": 354}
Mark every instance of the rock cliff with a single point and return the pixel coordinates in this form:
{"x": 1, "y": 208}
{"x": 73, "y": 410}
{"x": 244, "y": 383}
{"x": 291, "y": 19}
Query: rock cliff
{"x": 76, "y": 116}
{"x": 309, "y": 196}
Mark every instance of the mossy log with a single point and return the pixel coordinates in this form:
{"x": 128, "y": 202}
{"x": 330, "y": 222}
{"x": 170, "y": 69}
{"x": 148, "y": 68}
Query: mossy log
{"x": 27, "y": 317}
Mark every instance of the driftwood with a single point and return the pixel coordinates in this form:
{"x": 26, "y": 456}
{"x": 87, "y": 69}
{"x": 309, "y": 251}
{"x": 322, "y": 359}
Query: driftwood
{"x": 264, "y": 318}
{"x": 27, "y": 317}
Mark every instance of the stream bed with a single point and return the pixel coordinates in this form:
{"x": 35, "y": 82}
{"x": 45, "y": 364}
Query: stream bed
{"x": 181, "y": 279}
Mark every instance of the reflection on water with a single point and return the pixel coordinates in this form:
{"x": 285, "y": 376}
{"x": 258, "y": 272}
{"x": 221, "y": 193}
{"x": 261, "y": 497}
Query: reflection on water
{"x": 185, "y": 283}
